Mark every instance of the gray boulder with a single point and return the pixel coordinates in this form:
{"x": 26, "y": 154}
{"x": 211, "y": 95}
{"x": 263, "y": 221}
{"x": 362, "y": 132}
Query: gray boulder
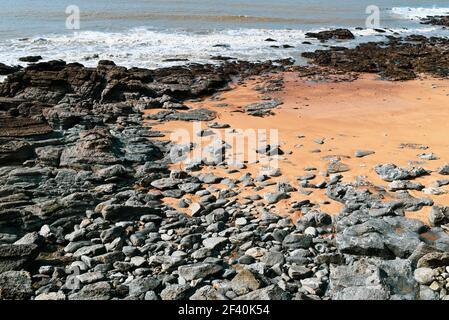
{"x": 444, "y": 169}
{"x": 215, "y": 242}
{"x": 275, "y": 197}
{"x": 96, "y": 146}
{"x": 439, "y": 215}
{"x": 424, "y": 275}
{"x": 198, "y": 271}
{"x": 15, "y": 285}
{"x": 97, "y": 291}
{"x": 140, "y": 286}
{"x": 295, "y": 241}
{"x": 244, "y": 282}
{"x": 372, "y": 279}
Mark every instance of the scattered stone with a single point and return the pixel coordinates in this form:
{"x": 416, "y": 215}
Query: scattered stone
{"x": 444, "y": 170}
{"x": 176, "y": 292}
{"x": 273, "y": 258}
{"x": 337, "y": 167}
{"x": 207, "y": 293}
{"x": 397, "y": 185}
{"x": 215, "y": 242}
{"x": 363, "y": 153}
{"x": 140, "y": 286}
{"x": 295, "y": 241}
{"x": 244, "y": 282}
{"x": 439, "y": 215}
{"x": 198, "y": 271}
{"x": 195, "y": 209}
{"x": 299, "y": 272}
{"x": 96, "y": 291}
{"x": 275, "y": 197}
{"x": 434, "y": 191}
{"x": 428, "y": 156}
{"x": 390, "y": 172}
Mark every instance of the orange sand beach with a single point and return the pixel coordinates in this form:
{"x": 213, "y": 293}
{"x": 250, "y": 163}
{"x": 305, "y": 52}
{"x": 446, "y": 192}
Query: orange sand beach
{"x": 365, "y": 114}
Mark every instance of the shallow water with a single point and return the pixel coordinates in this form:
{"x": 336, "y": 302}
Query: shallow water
{"x": 147, "y": 32}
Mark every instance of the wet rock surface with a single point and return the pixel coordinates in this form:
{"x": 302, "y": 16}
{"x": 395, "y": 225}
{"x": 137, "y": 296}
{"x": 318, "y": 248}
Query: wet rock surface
{"x": 436, "y": 20}
{"x": 339, "y": 34}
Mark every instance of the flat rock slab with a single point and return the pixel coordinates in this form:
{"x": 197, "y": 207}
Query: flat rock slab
{"x": 23, "y": 127}
{"x": 373, "y": 279}
{"x": 387, "y": 237}
{"x": 390, "y": 172}
{"x": 191, "y": 115}
{"x": 198, "y": 271}
{"x": 215, "y": 243}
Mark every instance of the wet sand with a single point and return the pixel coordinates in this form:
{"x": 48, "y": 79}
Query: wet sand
{"x": 366, "y": 114}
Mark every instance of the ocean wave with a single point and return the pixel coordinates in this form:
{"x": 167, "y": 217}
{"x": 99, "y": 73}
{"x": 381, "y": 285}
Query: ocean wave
{"x": 411, "y": 13}
{"x": 152, "y": 48}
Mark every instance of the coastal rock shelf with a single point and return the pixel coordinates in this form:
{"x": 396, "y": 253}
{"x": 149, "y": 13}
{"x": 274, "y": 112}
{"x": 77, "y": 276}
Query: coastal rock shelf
{"x": 91, "y": 206}
{"x": 395, "y": 59}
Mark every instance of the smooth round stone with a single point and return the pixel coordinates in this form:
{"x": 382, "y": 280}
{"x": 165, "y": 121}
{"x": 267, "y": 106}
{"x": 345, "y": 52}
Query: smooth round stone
{"x": 311, "y": 231}
{"x": 46, "y": 270}
{"x": 241, "y": 221}
{"x": 424, "y": 275}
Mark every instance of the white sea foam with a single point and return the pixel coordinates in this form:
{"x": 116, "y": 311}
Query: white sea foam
{"x": 150, "y": 48}
{"x": 417, "y": 13}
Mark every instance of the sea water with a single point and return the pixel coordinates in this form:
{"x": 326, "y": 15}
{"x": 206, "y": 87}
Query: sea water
{"x": 153, "y": 33}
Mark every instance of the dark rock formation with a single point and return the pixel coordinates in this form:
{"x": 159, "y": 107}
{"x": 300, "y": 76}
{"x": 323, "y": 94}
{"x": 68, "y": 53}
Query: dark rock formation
{"x": 338, "y": 34}
{"x": 436, "y": 20}
{"x": 397, "y": 59}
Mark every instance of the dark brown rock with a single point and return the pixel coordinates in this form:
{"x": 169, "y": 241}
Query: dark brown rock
{"x": 397, "y": 59}
{"x": 340, "y": 34}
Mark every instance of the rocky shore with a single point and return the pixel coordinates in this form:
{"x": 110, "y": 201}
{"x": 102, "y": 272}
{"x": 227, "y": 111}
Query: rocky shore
{"x": 396, "y": 59}
{"x": 83, "y": 181}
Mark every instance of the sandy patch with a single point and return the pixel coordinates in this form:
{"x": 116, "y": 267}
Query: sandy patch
{"x": 365, "y": 114}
